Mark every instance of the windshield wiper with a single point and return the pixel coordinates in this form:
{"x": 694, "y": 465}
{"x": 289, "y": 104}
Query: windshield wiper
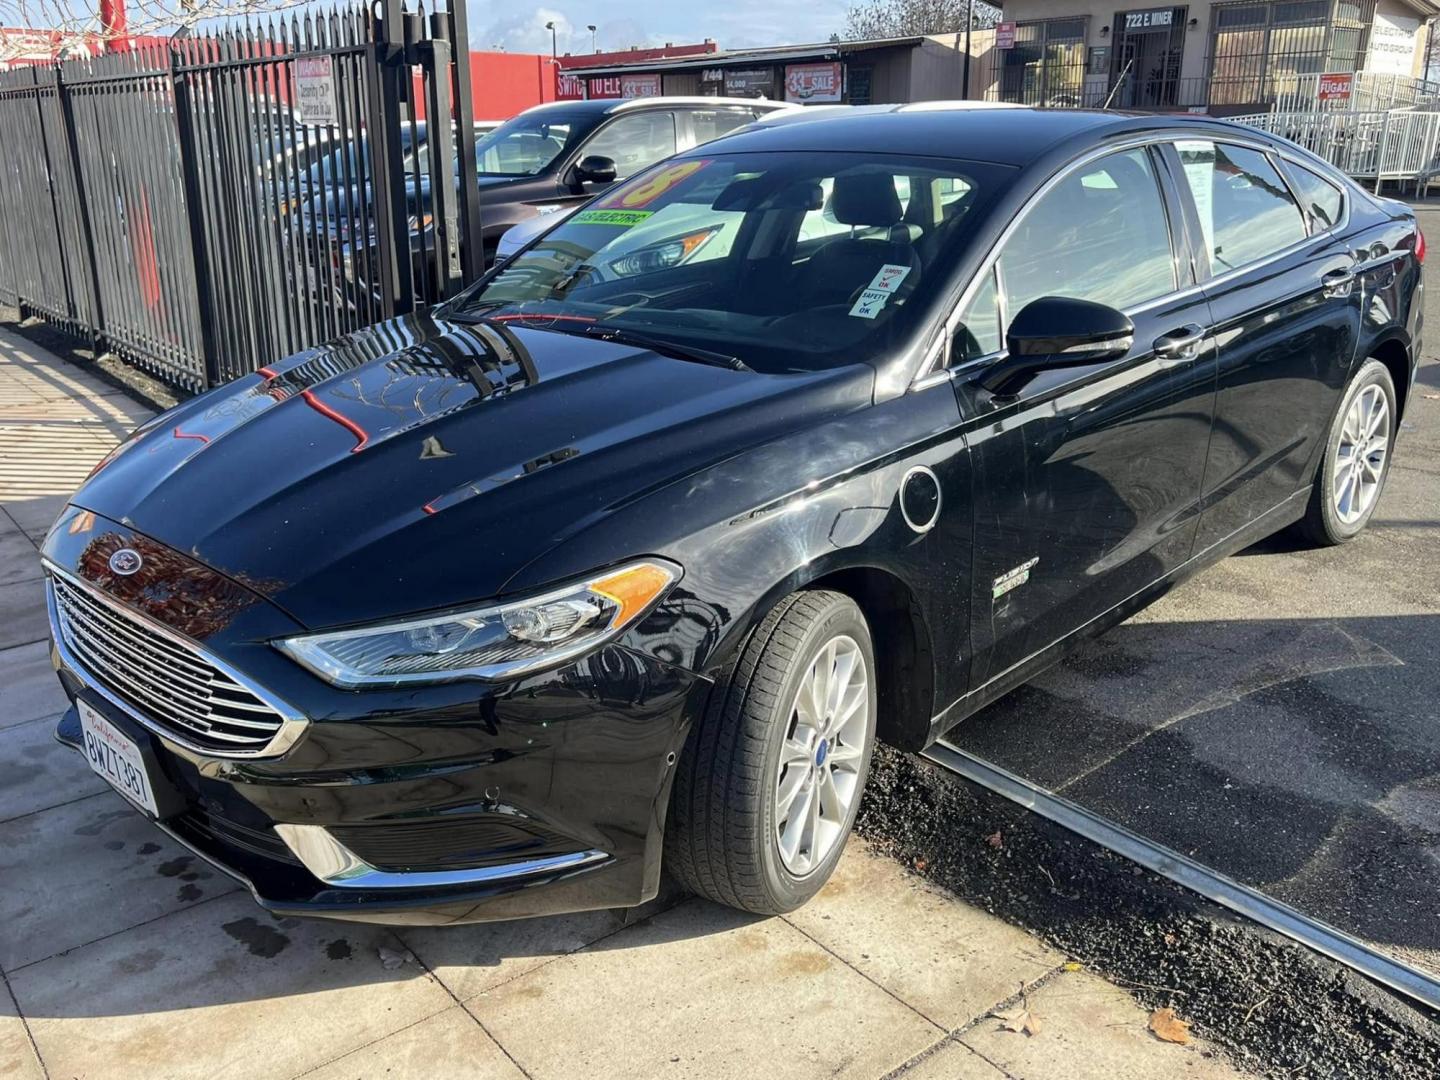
{"x": 666, "y": 348}
{"x": 470, "y": 313}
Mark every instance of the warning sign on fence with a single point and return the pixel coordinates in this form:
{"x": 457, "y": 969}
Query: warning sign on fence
{"x": 315, "y": 89}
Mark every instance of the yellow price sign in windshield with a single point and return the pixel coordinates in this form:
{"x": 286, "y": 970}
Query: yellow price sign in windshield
{"x": 653, "y": 187}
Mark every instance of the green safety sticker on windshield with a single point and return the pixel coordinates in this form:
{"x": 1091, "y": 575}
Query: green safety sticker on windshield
{"x": 623, "y": 218}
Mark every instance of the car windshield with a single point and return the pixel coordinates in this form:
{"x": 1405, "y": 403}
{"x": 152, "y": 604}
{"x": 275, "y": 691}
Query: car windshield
{"x": 785, "y": 261}
{"x": 525, "y": 145}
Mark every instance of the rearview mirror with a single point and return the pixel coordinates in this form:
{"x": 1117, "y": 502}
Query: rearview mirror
{"x": 595, "y": 169}
{"x": 1058, "y": 332}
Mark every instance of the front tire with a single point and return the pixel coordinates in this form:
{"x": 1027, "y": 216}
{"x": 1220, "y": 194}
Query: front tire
{"x": 770, "y": 780}
{"x": 1357, "y": 459}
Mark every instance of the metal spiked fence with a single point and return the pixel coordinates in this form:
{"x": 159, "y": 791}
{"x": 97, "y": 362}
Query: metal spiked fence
{"x": 178, "y": 205}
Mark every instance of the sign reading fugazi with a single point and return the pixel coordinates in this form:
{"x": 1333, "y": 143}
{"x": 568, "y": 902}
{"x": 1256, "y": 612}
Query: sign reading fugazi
{"x": 1335, "y": 86}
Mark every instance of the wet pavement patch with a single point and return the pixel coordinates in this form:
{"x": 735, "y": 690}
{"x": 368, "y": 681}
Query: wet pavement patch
{"x": 339, "y": 949}
{"x": 1296, "y": 756}
{"x": 1274, "y": 1005}
{"x": 261, "y": 940}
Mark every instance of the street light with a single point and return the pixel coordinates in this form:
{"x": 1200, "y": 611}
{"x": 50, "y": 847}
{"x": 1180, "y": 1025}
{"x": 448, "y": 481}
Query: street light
{"x": 591, "y": 28}
{"x": 554, "y": 50}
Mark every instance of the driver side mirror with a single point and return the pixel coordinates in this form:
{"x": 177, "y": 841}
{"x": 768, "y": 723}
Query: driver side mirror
{"x": 595, "y": 169}
{"x": 1058, "y": 332}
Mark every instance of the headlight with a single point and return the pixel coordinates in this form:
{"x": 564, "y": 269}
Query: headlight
{"x": 664, "y": 255}
{"x": 495, "y": 642}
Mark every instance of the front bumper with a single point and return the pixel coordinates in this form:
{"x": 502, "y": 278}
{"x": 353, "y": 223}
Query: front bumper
{"x": 458, "y": 802}
{"x": 333, "y": 845}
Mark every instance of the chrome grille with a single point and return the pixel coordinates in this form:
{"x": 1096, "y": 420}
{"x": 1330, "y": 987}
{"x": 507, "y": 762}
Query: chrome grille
{"x": 173, "y": 685}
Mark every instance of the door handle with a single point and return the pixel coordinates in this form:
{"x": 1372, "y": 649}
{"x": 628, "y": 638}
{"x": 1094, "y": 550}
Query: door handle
{"x": 1337, "y": 283}
{"x": 1179, "y": 346}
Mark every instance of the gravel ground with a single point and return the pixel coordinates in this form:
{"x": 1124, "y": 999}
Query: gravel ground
{"x": 1278, "y": 1008}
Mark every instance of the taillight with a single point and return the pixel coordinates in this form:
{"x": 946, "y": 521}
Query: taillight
{"x": 1419, "y": 245}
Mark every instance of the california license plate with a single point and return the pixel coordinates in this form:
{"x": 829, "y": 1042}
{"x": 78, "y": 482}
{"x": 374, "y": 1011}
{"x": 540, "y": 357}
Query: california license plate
{"x": 117, "y": 758}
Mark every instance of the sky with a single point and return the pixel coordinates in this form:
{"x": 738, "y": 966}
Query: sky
{"x": 520, "y": 27}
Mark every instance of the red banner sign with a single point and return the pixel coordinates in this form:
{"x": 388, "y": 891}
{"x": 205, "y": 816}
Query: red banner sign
{"x": 633, "y": 86}
{"x": 814, "y": 82}
{"x": 569, "y": 87}
{"x": 1335, "y": 86}
{"x": 1005, "y": 35}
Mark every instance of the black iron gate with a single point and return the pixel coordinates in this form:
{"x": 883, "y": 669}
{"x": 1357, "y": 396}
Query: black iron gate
{"x": 182, "y": 207}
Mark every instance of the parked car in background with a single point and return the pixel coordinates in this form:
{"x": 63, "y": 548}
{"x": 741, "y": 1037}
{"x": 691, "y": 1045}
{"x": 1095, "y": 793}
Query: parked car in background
{"x": 518, "y": 236}
{"x": 617, "y": 561}
{"x": 552, "y": 158}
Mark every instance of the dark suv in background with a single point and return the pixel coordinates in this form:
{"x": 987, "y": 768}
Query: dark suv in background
{"x": 553, "y": 157}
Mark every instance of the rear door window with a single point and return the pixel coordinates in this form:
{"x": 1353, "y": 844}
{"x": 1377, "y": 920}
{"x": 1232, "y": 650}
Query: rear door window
{"x": 712, "y": 123}
{"x": 1246, "y": 211}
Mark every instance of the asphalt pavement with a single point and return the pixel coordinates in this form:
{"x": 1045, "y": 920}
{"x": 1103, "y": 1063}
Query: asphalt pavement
{"x": 1276, "y": 717}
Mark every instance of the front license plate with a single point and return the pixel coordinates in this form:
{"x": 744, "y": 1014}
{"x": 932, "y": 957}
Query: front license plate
{"x": 117, "y": 757}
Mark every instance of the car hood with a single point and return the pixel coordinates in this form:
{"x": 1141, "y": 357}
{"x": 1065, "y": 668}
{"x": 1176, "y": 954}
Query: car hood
{"x": 517, "y": 236}
{"x": 422, "y": 463}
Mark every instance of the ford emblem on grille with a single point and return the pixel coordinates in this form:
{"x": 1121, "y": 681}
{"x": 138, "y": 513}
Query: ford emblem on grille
{"x": 126, "y": 561}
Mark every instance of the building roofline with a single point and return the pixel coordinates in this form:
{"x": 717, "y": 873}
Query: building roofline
{"x": 824, "y": 50}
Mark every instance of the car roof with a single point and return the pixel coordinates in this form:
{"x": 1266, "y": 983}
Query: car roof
{"x": 963, "y": 129}
{"x": 606, "y": 106}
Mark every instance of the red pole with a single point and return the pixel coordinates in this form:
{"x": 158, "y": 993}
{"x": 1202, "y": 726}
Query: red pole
{"x": 112, "y": 25}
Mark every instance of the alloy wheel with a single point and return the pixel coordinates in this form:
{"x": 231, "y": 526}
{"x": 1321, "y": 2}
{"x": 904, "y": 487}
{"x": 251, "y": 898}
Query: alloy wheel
{"x": 1360, "y": 454}
{"x": 818, "y": 778}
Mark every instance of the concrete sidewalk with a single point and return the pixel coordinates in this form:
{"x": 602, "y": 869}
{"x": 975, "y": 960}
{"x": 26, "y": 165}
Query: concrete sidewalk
{"x": 124, "y": 956}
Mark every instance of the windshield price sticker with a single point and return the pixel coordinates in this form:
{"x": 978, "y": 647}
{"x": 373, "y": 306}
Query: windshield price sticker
{"x": 890, "y": 277}
{"x": 870, "y": 304}
{"x": 621, "y": 218}
{"x": 651, "y": 189}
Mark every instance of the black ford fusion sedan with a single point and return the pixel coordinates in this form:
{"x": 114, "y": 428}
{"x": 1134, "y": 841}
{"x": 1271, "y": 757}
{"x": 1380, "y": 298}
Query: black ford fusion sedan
{"x": 623, "y": 560}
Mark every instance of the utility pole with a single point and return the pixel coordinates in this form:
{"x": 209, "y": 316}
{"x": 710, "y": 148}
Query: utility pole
{"x": 969, "y": 31}
{"x": 554, "y": 49}
{"x": 112, "y": 25}
{"x": 591, "y": 28}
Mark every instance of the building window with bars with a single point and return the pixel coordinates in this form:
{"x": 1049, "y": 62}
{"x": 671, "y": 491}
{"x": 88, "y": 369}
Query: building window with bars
{"x": 1047, "y": 64}
{"x": 1262, "y": 50}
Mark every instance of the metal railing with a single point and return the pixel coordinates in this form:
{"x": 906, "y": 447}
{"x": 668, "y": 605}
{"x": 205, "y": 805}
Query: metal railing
{"x": 1378, "y": 145}
{"x": 173, "y": 204}
{"x": 1284, "y": 91}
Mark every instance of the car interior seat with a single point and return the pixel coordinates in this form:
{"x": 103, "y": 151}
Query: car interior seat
{"x": 846, "y": 265}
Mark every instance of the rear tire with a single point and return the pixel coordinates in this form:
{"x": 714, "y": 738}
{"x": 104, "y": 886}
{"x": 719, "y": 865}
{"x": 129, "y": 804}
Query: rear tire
{"x": 741, "y": 831}
{"x": 1352, "y": 475}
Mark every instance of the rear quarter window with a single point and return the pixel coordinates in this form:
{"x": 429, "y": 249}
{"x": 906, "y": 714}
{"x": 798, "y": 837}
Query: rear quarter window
{"x": 1323, "y": 201}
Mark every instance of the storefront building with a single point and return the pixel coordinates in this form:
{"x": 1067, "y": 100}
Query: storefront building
{"x": 877, "y": 72}
{"x": 1225, "y": 57}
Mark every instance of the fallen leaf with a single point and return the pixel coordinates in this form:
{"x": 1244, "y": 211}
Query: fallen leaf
{"x": 1020, "y": 1020}
{"x": 390, "y": 959}
{"x": 920, "y": 864}
{"x": 995, "y": 840}
{"x": 1071, "y": 965}
{"x": 1169, "y": 1027}
{"x": 1170, "y": 939}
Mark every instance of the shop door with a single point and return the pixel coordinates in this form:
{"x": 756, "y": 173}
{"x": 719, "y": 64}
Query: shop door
{"x": 1148, "y": 46}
